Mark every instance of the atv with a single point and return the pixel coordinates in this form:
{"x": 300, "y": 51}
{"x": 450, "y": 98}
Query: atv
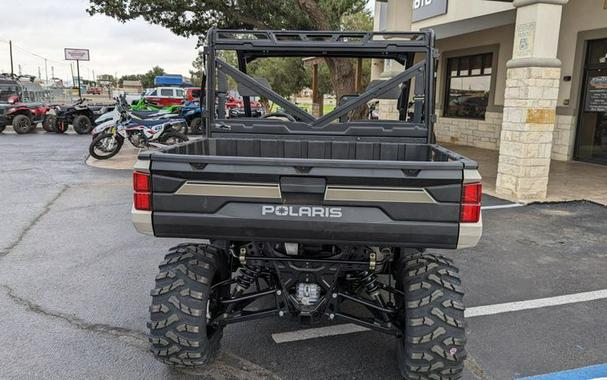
{"x": 23, "y": 116}
{"x": 78, "y": 114}
{"x": 313, "y": 219}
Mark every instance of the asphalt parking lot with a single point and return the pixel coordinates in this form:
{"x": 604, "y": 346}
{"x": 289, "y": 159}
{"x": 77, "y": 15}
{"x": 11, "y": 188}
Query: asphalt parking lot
{"x": 75, "y": 280}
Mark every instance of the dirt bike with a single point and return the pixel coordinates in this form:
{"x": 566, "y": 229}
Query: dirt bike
{"x": 109, "y": 136}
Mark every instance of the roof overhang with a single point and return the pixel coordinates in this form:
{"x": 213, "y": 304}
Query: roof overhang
{"x": 476, "y": 24}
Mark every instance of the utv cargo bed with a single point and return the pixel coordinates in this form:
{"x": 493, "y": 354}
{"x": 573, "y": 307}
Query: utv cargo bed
{"x": 309, "y": 191}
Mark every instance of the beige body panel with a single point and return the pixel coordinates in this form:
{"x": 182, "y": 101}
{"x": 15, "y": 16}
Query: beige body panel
{"x": 470, "y": 234}
{"x": 370, "y": 194}
{"x": 142, "y": 220}
{"x": 232, "y": 189}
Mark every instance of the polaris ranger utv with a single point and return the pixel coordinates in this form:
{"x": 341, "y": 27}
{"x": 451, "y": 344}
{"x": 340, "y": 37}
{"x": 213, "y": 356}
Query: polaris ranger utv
{"x": 313, "y": 218}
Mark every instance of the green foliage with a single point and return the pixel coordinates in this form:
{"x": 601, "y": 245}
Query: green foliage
{"x": 286, "y": 76}
{"x": 194, "y": 17}
{"x": 147, "y": 79}
{"x": 196, "y": 73}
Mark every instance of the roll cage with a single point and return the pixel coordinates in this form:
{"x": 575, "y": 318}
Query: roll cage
{"x": 413, "y": 87}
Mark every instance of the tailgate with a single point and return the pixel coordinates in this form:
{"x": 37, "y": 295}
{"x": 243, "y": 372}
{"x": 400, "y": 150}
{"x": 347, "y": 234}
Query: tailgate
{"x": 413, "y": 204}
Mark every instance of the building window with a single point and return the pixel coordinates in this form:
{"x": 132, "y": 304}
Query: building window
{"x": 468, "y": 86}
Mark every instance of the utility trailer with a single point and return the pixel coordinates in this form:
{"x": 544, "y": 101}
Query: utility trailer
{"x": 313, "y": 218}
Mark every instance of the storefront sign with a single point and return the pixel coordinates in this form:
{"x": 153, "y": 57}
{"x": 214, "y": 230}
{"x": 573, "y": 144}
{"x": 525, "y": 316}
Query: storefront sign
{"x": 77, "y": 54}
{"x": 524, "y": 38}
{"x": 423, "y": 9}
{"x": 596, "y": 95}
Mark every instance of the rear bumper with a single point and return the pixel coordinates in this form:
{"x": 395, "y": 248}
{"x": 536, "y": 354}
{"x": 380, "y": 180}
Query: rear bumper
{"x": 335, "y": 225}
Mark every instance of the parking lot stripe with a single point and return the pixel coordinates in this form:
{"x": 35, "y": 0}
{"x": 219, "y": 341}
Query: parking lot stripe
{"x": 478, "y": 311}
{"x": 496, "y": 207}
{"x": 595, "y": 372}
{"x": 293, "y": 336}
{"x": 535, "y": 304}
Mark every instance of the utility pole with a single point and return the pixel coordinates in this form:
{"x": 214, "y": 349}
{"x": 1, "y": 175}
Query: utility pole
{"x": 45, "y": 71}
{"x": 19, "y": 66}
{"x": 52, "y": 72}
{"x": 39, "y": 74}
{"x": 10, "y": 48}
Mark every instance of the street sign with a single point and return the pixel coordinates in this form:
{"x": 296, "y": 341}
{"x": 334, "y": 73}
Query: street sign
{"x": 77, "y": 54}
{"x": 423, "y": 9}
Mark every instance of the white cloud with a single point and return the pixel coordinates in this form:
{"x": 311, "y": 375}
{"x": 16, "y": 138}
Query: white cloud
{"x": 46, "y": 27}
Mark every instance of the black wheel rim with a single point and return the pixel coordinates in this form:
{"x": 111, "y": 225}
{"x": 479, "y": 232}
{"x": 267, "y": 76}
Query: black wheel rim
{"x": 23, "y": 125}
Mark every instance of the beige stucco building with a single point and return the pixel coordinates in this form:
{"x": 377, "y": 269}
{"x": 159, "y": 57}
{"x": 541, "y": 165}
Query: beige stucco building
{"x": 527, "y": 78}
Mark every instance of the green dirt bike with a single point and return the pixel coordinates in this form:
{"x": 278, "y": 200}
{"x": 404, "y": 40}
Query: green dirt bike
{"x": 143, "y": 105}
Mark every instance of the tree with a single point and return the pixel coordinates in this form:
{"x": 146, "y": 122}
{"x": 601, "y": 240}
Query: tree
{"x": 147, "y": 79}
{"x": 196, "y": 73}
{"x": 194, "y": 17}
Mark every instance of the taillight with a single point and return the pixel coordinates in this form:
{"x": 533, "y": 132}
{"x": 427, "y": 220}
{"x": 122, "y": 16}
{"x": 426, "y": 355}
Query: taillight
{"x": 142, "y": 198}
{"x": 141, "y": 182}
{"x": 142, "y": 201}
{"x": 471, "y": 203}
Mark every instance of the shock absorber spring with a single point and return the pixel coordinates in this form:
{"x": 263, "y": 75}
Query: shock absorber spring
{"x": 369, "y": 280}
{"x": 246, "y": 277}
{"x": 372, "y": 285}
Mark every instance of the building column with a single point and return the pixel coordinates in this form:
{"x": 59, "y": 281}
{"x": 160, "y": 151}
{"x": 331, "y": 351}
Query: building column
{"x": 532, "y": 88}
{"x": 398, "y": 20}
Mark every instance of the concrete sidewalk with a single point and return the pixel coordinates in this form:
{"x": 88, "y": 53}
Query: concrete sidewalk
{"x": 569, "y": 180}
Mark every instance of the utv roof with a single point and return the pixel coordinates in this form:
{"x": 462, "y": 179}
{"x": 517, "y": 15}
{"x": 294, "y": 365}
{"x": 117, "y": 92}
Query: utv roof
{"x": 267, "y": 43}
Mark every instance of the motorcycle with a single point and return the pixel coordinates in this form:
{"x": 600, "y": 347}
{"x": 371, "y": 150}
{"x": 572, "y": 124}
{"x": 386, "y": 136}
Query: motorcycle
{"x": 144, "y": 105}
{"x": 119, "y": 125}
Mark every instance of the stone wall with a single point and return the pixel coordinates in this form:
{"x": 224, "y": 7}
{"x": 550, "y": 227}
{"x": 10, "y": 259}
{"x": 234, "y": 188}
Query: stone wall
{"x": 564, "y": 137}
{"x": 478, "y": 133}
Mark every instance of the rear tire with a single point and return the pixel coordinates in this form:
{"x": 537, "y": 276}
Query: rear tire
{"x": 181, "y": 304}
{"x": 82, "y": 125}
{"x": 2, "y": 127}
{"x": 22, "y": 124}
{"x": 173, "y": 137}
{"x": 49, "y": 123}
{"x": 433, "y": 343}
{"x": 196, "y": 126}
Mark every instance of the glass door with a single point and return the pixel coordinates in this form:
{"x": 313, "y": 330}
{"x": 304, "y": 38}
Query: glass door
{"x": 591, "y": 144}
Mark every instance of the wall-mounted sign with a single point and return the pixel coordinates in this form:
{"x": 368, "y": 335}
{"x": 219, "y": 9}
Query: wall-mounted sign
{"x": 77, "y": 54}
{"x": 596, "y": 95}
{"x": 424, "y": 9}
{"x": 524, "y": 38}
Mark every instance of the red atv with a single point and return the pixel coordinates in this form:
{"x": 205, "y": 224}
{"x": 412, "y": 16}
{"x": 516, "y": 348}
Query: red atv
{"x": 24, "y": 116}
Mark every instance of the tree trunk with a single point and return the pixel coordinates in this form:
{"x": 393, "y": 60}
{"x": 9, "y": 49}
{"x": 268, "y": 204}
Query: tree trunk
{"x": 343, "y": 79}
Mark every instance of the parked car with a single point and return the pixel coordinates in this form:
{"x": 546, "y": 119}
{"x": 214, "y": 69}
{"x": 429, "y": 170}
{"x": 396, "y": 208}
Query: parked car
{"x": 132, "y": 98}
{"x": 310, "y": 218}
{"x": 235, "y": 108}
{"x": 193, "y": 94}
{"x": 165, "y": 96}
{"x": 94, "y": 90}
